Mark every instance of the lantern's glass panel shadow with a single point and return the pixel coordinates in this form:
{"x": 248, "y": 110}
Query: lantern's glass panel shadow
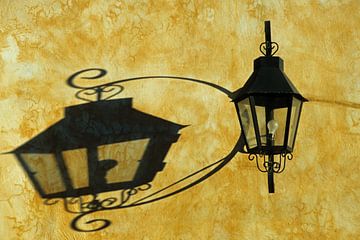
{"x": 128, "y": 156}
{"x": 247, "y": 122}
{"x": 45, "y": 169}
{"x": 76, "y": 162}
{"x": 98, "y": 147}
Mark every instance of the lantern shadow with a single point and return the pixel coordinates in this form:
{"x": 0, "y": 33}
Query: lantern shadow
{"x": 105, "y": 146}
{"x": 97, "y": 147}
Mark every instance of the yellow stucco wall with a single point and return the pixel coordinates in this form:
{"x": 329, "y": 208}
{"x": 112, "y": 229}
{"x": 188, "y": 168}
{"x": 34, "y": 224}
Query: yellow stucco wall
{"x": 317, "y": 197}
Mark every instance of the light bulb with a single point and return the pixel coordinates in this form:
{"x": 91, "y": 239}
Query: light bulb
{"x": 272, "y": 125}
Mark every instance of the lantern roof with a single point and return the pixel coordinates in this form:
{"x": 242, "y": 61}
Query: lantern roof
{"x": 99, "y": 123}
{"x": 268, "y": 78}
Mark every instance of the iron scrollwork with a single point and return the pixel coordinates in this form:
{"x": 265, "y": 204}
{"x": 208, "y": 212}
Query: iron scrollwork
{"x": 266, "y": 166}
{"x": 274, "y": 46}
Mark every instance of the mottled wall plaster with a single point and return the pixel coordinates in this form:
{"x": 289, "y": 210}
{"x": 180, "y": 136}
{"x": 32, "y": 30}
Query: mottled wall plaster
{"x": 43, "y": 42}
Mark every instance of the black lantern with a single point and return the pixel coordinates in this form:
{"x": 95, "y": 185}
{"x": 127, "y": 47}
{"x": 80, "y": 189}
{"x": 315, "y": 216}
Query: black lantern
{"x": 269, "y": 108}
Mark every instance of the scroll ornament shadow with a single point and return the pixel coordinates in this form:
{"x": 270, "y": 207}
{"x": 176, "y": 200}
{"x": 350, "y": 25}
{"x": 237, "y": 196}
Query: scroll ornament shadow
{"x": 95, "y": 136}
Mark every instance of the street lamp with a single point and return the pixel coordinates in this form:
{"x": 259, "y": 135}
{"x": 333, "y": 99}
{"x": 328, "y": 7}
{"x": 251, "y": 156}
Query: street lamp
{"x": 269, "y": 107}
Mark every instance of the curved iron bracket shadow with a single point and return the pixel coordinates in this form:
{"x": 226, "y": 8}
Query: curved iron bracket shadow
{"x": 109, "y": 203}
{"x": 114, "y": 88}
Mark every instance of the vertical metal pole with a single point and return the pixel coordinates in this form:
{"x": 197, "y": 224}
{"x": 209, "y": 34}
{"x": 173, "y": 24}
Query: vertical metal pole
{"x": 268, "y": 38}
{"x": 271, "y": 184}
{"x": 270, "y": 143}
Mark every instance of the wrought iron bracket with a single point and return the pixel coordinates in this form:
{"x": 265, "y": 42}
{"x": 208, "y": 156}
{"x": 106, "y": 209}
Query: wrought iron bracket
{"x": 265, "y": 166}
{"x": 270, "y": 166}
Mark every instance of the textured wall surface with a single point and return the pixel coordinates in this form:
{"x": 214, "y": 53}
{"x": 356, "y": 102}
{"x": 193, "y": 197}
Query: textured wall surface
{"x": 317, "y": 197}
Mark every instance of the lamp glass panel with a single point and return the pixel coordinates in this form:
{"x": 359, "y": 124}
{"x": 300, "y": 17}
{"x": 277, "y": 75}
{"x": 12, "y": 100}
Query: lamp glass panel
{"x": 280, "y": 115}
{"x": 247, "y": 122}
{"x": 261, "y": 119}
{"x": 295, "y": 113}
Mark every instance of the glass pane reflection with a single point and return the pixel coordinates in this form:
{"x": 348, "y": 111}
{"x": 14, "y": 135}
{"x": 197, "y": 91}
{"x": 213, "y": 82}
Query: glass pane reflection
{"x": 295, "y": 111}
{"x": 247, "y": 122}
